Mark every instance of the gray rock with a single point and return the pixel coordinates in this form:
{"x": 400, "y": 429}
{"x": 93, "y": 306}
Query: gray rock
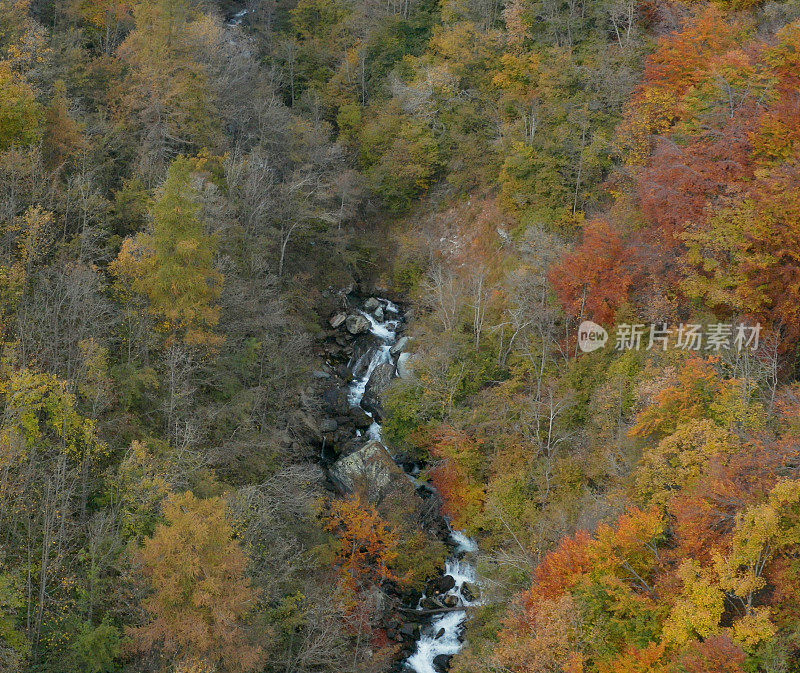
{"x": 400, "y": 346}
{"x": 307, "y": 426}
{"x": 445, "y": 583}
{"x": 378, "y": 313}
{"x": 372, "y": 467}
{"x": 404, "y": 368}
{"x": 378, "y": 382}
{"x": 430, "y": 604}
{"x": 328, "y": 425}
{"x": 468, "y": 592}
{"x": 409, "y": 631}
{"x": 450, "y": 601}
{"x": 440, "y": 633}
{"x": 319, "y": 374}
{"x": 337, "y": 319}
{"x": 364, "y": 348}
{"x": 441, "y": 662}
{"x": 357, "y": 324}
{"x": 371, "y": 304}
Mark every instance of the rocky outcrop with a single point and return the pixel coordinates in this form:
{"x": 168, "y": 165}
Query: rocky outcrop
{"x": 378, "y": 382}
{"x": 357, "y": 324}
{"x": 400, "y": 346}
{"x": 404, "y": 366}
{"x": 371, "y": 469}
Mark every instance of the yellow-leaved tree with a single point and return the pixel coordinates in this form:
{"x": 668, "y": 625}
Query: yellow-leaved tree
{"x": 173, "y": 263}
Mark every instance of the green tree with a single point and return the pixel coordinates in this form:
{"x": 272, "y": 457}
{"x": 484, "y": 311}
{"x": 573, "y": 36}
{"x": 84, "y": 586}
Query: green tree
{"x": 21, "y": 115}
{"x": 173, "y": 264}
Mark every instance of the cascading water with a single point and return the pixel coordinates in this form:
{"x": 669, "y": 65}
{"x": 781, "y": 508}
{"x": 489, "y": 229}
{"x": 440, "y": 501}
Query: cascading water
{"x": 442, "y": 636}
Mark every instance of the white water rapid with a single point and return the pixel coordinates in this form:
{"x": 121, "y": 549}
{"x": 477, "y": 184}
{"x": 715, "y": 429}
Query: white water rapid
{"x": 443, "y": 635}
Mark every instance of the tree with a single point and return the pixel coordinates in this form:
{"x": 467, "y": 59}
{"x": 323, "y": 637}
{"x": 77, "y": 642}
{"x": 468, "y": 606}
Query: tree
{"x": 174, "y": 264}
{"x": 367, "y": 545}
{"x": 697, "y": 610}
{"x": 167, "y": 95}
{"x": 21, "y": 116}
{"x": 46, "y": 449}
{"x": 681, "y": 459}
{"x": 201, "y": 594}
{"x": 593, "y": 280}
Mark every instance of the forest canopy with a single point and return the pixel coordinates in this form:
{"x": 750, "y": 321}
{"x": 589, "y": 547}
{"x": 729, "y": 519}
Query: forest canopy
{"x": 246, "y": 246}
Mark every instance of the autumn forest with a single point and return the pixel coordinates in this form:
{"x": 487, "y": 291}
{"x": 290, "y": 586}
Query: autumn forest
{"x": 399, "y": 336}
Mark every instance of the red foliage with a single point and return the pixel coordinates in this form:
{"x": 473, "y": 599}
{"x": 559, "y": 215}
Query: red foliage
{"x": 682, "y": 181}
{"x": 718, "y": 654}
{"x": 699, "y": 527}
{"x": 593, "y": 280}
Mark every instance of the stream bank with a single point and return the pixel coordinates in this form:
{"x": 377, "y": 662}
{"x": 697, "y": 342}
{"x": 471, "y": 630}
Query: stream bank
{"x": 364, "y": 349}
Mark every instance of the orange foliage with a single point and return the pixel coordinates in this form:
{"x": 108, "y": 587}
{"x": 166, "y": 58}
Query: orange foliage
{"x": 544, "y": 640}
{"x": 772, "y": 262}
{"x": 201, "y": 591}
{"x": 367, "y": 544}
{"x": 689, "y": 397}
{"x": 681, "y": 59}
{"x": 636, "y": 660}
{"x": 562, "y": 568}
{"x": 462, "y": 493}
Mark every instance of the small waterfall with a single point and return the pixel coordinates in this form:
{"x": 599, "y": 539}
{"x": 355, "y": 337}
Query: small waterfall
{"x": 443, "y": 635}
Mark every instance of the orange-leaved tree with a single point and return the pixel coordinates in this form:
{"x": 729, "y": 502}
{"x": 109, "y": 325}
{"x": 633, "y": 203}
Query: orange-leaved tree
{"x": 201, "y": 594}
{"x": 366, "y": 544}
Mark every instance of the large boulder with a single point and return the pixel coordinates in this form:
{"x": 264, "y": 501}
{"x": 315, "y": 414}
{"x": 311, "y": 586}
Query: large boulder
{"x": 327, "y": 425}
{"x": 468, "y": 592}
{"x": 370, "y": 468}
{"x": 378, "y": 382}
{"x": 357, "y": 324}
{"x": 400, "y": 346}
{"x": 337, "y": 319}
{"x": 441, "y": 662}
{"x": 364, "y": 348}
{"x": 307, "y": 426}
{"x": 371, "y": 304}
{"x": 444, "y": 583}
{"x": 404, "y": 366}
{"x": 361, "y": 419}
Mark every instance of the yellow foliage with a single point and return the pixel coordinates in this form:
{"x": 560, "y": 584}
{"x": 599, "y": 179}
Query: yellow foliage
{"x": 696, "y": 612}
